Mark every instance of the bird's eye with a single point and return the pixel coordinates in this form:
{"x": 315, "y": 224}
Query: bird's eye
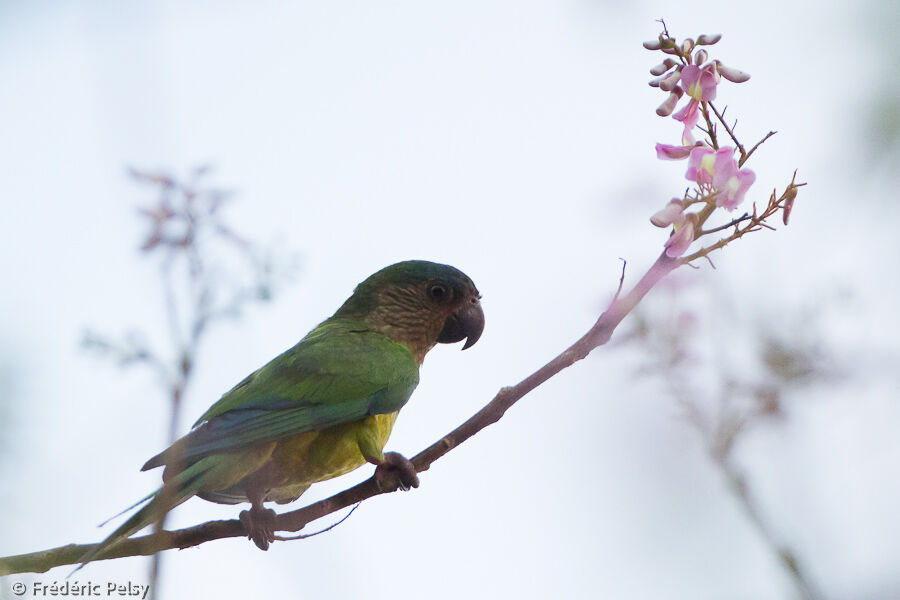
{"x": 437, "y": 291}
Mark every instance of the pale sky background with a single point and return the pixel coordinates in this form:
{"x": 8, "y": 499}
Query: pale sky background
{"x": 513, "y": 140}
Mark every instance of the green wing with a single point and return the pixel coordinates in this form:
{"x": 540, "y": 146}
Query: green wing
{"x": 336, "y": 374}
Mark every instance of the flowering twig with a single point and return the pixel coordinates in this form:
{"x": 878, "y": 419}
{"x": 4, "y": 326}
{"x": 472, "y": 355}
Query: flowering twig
{"x": 754, "y": 222}
{"x": 719, "y": 180}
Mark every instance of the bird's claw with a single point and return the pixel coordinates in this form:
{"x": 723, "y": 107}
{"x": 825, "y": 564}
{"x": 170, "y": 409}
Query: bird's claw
{"x": 396, "y": 472}
{"x": 259, "y": 523}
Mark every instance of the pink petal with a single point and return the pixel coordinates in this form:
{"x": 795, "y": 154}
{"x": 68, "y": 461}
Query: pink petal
{"x": 700, "y": 57}
{"x": 667, "y": 152}
{"x": 731, "y": 191}
{"x": 690, "y": 74}
{"x": 725, "y": 165}
{"x": 689, "y": 114}
{"x": 706, "y": 84}
{"x": 681, "y": 239}
{"x": 698, "y": 168}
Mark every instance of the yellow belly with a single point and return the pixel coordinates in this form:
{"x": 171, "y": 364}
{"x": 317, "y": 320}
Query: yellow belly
{"x": 302, "y": 460}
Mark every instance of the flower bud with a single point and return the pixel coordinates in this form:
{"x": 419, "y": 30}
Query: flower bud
{"x": 686, "y": 46}
{"x": 671, "y": 213}
{"x": 700, "y": 57}
{"x": 662, "y": 67}
{"x": 652, "y": 45}
{"x": 708, "y": 39}
{"x": 789, "y": 198}
{"x": 668, "y": 106}
{"x": 731, "y": 74}
{"x": 668, "y": 83}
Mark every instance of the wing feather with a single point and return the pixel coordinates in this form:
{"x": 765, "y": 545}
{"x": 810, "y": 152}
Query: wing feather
{"x": 335, "y": 375}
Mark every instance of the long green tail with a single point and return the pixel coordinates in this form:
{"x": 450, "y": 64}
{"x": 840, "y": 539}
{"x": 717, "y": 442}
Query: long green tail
{"x": 175, "y": 491}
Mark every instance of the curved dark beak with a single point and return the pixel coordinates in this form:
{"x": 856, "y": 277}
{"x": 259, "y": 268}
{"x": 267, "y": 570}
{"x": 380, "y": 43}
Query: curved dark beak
{"x": 466, "y": 323}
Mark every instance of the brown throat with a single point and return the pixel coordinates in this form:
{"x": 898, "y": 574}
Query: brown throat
{"x": 403, "y": 316}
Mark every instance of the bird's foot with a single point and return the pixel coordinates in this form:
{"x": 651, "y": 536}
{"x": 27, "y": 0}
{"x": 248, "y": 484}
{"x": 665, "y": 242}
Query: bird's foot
{"x": 259, "y": 523}
{"x": 396, "y": 472}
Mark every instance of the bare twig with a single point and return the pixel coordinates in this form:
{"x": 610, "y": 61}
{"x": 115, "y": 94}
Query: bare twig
{"x": 721, "y": 117}
{"x": 731, "y": 223}
{"x": 710, "y": 127}
{"x": 303, "y": 536}
{"x": 745, "y": 157}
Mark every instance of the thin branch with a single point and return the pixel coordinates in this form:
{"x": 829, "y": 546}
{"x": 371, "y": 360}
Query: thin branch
{"x": 721, "y": 117}
{"x": 710, "y": 128}
{"x": 728, "y": 225}
{"x": 745, "y": 157}
{"x": 492, "y": 412}
{"x": 303, "y": 536}
{"x": 621, "y": 279}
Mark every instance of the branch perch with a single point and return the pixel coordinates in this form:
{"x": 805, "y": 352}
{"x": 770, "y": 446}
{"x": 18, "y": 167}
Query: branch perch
{"x": 493, "y": 411}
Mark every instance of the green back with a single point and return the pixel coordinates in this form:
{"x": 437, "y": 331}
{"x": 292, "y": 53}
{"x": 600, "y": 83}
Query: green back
{"x": 340, "y": 372}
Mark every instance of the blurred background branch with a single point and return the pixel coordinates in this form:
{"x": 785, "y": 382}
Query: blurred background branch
{"x": 683, "y": 348}
{"x": 208, "y": 273}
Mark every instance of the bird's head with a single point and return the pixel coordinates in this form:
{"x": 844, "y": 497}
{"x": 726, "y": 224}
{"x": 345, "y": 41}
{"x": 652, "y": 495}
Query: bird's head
{"x": 418, "y": 303}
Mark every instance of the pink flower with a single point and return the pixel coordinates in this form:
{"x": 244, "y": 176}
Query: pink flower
{"x": 682, "y": 237}
{"x": 672, "y": 215}
{"x": 731, "y": 184}
{"x": 705, "y": 163}
{"x": 720, "y": 171}
{"x": 700, "y": 82}
{"x": 701, "y": 165}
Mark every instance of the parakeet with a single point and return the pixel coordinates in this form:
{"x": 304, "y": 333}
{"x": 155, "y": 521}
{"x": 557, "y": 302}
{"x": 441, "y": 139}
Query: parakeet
{"x": 322, "y": 408}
